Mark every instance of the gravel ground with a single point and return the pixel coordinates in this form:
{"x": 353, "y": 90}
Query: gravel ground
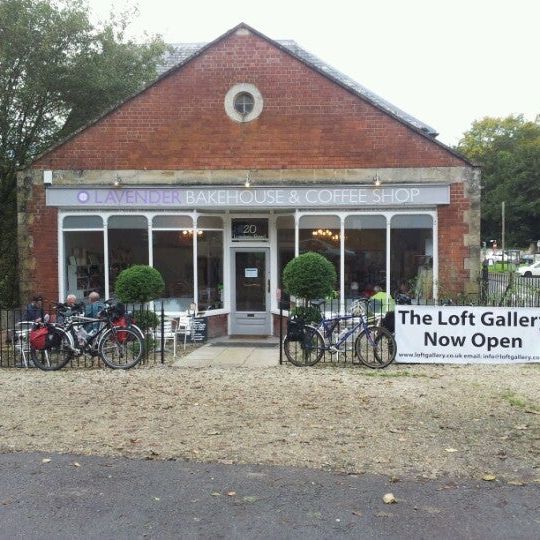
{"x": 405, "y": 421}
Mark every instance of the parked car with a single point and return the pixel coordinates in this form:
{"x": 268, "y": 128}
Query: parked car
{"x": 530, "y": 270}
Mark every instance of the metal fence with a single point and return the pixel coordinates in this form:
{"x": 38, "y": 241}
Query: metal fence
{"x": 509, "y": 289}
{"x": 378, "y": 312}
{"x": 15, "y": 351}
{"x": 494, "y": 289}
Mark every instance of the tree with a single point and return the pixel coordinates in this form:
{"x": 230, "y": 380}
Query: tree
{"x": 139, "y": 283}
{"x": 57, "y": 72}
{"x": 508, "y": 149}
{"x": 309, "y": 276}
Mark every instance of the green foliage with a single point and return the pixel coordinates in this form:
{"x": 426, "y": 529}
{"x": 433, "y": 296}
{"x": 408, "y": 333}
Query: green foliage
{"x": 139, "y": 283}
{"x": 9, "y": 278}
{"x": 309, "y": 314}
{"x": 57, "y": 72}
{"x": 309, "y": 276}
{"x": 146, "y": 319}
{"x": 508, "y": 149}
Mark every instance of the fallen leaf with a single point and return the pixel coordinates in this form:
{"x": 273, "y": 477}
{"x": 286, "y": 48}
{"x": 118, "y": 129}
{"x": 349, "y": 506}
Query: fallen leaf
{"x": 521, "y": 427}
{"x": 215, "y": 494}
{"x": 231, "y": 493}
{"x": 250, "y": 499}
{"x": 156, "y": 499}
{"x": 357, "y": 513}
{"x": 76, "y": 464}
{"x": 516, "y": 483}
{"x": 489, "y": 477}
{"x": 389, "y": 499}
{"x": 450, "y": 450}
{"x": 45, "y": 460}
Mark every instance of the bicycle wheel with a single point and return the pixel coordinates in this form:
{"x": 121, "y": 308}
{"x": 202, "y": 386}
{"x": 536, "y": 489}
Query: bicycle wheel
{"x": 306, "y": 352}
{"x": 121, "y": 348}
{"x": 55, "y": 357}
{"x": 375, "y": 347}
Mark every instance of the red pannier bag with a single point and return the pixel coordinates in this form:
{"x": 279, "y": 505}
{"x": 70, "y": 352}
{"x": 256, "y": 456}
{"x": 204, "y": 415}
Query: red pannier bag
{"x": 38, "y": 338}
{"x": 121, "y": 322}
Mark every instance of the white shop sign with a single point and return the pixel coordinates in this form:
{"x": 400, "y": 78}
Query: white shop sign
{"x": 463, "y": 335}
{"x": 263, "y": 197}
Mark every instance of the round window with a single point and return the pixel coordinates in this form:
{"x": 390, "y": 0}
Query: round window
{"x": 244, "y": 103}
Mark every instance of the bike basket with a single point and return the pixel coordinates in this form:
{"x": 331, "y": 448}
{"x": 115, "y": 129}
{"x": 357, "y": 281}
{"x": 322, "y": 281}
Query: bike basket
{"x": 295, "y": 330}
{"x": 121, "y": 323}
{"x": 38, "y": 338}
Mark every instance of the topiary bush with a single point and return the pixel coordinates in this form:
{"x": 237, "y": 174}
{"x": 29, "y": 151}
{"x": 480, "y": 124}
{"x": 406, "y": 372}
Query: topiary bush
{"x": 308, "y": 314}
{"x": 309, "y": 276}
{"x": 139, "y": 283}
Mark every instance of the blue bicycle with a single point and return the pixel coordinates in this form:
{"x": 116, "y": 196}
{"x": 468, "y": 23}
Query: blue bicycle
{"x": 374, "y": 346}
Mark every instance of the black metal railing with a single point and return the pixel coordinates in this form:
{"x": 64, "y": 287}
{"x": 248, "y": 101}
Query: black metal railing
{"x": 508, "y": 289}
{"x": 15, "y": 350}
{"x": 494, "y": 289}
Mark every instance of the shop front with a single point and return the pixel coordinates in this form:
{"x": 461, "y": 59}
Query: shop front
{"x": 240, "y": 155}
{"x": 225, "y": 249}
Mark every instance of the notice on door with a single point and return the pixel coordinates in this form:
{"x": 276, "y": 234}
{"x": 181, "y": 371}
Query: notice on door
{"x": 464, "y": 334}
{"x": 251, "y": 272}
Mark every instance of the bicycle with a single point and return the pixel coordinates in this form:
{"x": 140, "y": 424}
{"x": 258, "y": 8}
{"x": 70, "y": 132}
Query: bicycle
{"x": 374, "y": 346}
{"x": 119, "y": 346}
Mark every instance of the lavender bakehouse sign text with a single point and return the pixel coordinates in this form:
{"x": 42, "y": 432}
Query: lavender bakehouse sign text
{"x": 263, "y": 197}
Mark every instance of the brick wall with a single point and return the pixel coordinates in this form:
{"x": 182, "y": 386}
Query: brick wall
{"x": 38, "y": 248}
{"x": 452, "y": 251}
{"x": 307, "y": 122}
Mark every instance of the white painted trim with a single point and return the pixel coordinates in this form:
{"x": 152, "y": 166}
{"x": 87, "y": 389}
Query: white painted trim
{"x": 342, "y": 263}
{"x": 61, "y": 258}
{"x": 435, "y": 257}
{"x": 106, "y": 257}
{"x": 271, "y": 244}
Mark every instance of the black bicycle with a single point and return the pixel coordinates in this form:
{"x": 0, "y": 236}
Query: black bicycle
{"x": 116, "y": 341}
{"x": 374, "y": 346}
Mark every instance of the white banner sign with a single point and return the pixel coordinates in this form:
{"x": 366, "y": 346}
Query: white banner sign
{"x": 462, "y": 334}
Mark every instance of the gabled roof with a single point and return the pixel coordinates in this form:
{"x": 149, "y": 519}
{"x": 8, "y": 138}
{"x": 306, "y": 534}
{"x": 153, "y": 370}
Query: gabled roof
{"x": 182, "y": 52}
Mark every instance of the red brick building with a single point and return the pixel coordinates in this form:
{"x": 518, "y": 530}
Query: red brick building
{"x": 244, "y": 153}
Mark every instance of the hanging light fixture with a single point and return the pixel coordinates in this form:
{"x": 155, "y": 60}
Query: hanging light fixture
{"x": 188, "y": 233}
{"x": 247, "y": 183}
{"x": 377, "y": 180}
{"x": 326, "y": 234}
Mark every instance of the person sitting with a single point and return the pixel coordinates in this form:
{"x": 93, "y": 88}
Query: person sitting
{"x": 94, "y": 306}
{"x": 92, "y": 309}
{"x": 381, "y": 302}
{"x": 403, "y": 295}
{"x": 34, "y": 310}
{"x": 70, "y": 307}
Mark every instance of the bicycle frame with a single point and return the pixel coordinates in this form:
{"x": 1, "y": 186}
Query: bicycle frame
{"x": 77, "y": 321}
{"x": 327, "y": 326}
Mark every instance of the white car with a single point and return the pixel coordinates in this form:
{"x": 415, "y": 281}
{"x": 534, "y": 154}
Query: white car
{"x": 530, "y": 270}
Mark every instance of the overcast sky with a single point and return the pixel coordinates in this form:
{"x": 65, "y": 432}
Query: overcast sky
{"x": 446, "y": 63}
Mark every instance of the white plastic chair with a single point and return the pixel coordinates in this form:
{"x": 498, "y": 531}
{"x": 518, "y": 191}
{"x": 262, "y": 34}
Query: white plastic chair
{"x": 183, "y": 328}
{"x": 21, "y": 340}
{"x": 169, "y": 331}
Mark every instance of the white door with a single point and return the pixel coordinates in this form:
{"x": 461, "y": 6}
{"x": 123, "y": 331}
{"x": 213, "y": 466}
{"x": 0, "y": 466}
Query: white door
{"x": 250, "y": 287}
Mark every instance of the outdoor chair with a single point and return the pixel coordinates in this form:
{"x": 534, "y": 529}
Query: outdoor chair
{"x": 183, "y": 328}
{"x": 21, "y": 340}
{"x": 173, "y": 327}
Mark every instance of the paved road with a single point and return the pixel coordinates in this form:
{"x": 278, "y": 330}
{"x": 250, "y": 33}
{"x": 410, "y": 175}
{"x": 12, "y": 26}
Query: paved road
{"x": 118, "y": 498}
